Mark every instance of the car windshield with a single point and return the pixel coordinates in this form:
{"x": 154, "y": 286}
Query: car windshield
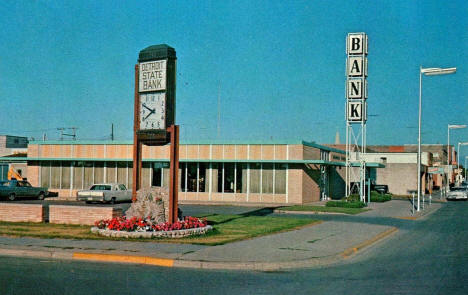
{"x": 100, "y": 187}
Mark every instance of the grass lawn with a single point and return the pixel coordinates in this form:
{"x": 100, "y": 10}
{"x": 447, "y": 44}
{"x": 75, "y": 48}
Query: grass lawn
{"x": 227, "y": 228}
{"x": 310, "y": 208}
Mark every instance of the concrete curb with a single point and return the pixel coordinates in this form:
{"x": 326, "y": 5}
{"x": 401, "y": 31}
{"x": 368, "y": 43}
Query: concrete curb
{"x": 228, "y": 265}
{"x": 37, "y": 253}
{"x": 350, "y": 251}
{"x": 421, "y": 215}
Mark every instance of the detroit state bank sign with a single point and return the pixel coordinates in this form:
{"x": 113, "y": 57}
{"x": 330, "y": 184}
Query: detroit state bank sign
{"x": 152, "y": 76}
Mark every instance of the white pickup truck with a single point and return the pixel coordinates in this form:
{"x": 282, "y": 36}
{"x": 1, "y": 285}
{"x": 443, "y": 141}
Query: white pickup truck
{"x": 105, "y": 192}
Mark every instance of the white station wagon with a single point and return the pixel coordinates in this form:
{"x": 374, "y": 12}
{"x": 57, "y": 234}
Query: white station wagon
{"x": 105, "y": 193}
{"x": 458, "y": 193}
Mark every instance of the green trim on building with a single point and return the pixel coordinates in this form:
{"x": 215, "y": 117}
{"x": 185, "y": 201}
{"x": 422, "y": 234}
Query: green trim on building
{"x": 319, "y": 162}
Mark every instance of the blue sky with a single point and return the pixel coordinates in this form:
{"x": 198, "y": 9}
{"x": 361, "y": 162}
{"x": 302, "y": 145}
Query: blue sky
{"x": 278, "y": 67}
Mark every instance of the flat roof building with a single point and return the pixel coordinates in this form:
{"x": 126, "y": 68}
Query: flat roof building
{"x": 288, "y": 172}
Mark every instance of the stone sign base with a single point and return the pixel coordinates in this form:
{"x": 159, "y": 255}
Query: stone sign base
{"x": 152, "y": 234}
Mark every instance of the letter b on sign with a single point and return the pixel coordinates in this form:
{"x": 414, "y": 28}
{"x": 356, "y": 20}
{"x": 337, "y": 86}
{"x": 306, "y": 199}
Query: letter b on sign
{"x": 356, "y": 43}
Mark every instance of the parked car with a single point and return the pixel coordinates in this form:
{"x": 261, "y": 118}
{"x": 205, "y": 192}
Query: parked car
{"x": 13, "y": 189}
{"x": 105, "y": 192}
{"x": 457, "y": 193}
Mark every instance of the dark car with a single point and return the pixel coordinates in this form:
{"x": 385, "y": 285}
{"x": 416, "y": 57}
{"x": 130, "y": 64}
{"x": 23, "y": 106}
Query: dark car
{"x": 13, "y": 189}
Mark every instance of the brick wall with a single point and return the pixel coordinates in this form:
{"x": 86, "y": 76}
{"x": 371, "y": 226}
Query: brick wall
{"x": 21, "y": 212}
{"x": 310, "y": 183}
{"x": 295, "y": 186}
{"x": 400, "y": 178}
{"x": 81, "y": 214}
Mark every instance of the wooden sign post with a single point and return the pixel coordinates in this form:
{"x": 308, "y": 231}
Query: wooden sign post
{"x": 154, "y": 115}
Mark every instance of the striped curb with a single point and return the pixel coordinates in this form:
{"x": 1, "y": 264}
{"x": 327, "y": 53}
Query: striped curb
{"x": 166, "y": 262}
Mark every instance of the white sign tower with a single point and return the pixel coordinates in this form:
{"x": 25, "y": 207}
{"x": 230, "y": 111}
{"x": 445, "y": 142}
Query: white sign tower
{"x": 356, "y": 112}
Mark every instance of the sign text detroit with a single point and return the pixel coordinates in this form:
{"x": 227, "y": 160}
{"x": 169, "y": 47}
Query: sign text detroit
{"x": 152, "y": 76}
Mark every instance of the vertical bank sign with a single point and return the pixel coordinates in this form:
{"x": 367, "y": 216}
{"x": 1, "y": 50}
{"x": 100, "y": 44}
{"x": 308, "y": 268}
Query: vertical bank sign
{"x": 356, "y": 78}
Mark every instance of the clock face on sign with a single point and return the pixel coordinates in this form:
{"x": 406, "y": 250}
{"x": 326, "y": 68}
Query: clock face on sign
{"x": 152, "y": 111}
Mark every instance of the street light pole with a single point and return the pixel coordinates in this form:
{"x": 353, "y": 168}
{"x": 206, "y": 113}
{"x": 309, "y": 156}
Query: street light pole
{"x": 419, "y": 137}
{"x": 427, "y": 72}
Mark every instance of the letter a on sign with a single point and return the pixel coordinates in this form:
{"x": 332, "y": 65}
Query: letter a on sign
{"x": 356, "y": 43}
{"x": 357, "y": 66}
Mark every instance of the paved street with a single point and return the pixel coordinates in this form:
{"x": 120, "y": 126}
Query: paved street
{"x": 426, "y": 256}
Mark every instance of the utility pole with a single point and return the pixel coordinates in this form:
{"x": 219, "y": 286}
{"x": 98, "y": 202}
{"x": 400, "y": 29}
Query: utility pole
{"x": 219, "y": 110}
{"x": 112, "y": 132}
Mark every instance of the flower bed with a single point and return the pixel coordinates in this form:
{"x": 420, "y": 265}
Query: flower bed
{"x": 148, "y": 228}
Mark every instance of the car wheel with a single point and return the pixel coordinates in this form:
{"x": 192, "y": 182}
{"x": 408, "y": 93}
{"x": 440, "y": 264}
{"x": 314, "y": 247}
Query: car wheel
{"x": 11, "y": 197}
{"x": 41, "y": 196}
{"x": 87, "y": 202}
{"x": 112, "y": 201}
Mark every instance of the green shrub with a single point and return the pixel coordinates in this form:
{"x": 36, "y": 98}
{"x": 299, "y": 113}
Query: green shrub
{"x": 353, "y": 198}
{"x": 377, "y": 197}
{"x": 345, "y": 204}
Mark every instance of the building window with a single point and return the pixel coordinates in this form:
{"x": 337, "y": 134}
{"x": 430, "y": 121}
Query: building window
{"x": 145, "y": 174}
{"x": 66, "y": 175}
{"x": 156, "y": 179}
{"x": 78, "y": 175}
{"x": 191, "y": 174}
{"x": 241, "y": 178}
{"x": 202, "y": 172}
{"x": 214, "y": 176}
{"x": 267, "y": 178}
{"x": 324, "y": 155}
{"x": 228, "y": 182}
{"x": 166, "y": 177}
{"x": 122, "y": 173}
{"x": 280, "y": 178}
{"x": 110, "y": 172}
{"x": 130, "y": 174}
{"x": 45, "y": 174}
{"x": 55, "y": 175}
{"x": 255, "y": 179}
{"x": 88, "y": 176}
{"x": 99, "y": 172}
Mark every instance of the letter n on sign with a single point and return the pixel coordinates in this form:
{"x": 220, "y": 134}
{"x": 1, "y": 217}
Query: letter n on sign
{"x": 356, "y": 89}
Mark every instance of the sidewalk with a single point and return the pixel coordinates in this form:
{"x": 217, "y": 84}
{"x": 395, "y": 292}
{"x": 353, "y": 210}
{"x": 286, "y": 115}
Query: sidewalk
{"x": 327, "y": 242}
